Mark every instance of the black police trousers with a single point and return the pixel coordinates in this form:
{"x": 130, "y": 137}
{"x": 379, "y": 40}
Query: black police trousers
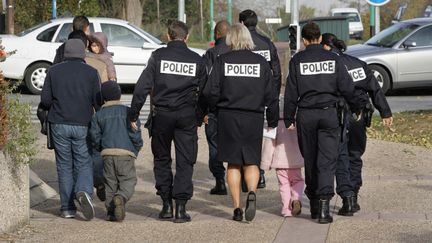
{"x": 216, "y": 167}
{"x": 344, "y": 187}
{"x": 318, "y": 133}
{"x": 356, "y": 148}
{"x": 181, "y": 126}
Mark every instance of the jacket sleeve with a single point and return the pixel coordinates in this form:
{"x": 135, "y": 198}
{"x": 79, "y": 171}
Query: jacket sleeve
{"x": 275, "y": 66}
{"x": 95, "y": 133}
{"x": 202, "y": 107}
{"x": 377, "y": 95}
{"x": 143, "y": 87}
{"x": 136, "y": 136}
{"x": 345, "y": 86}
{"x": 212, "y": 88}
{"x": 271, "y": 99}
{"x": 46, "y": 95}
{"x": 97, "y": 95}
{"x": 291, "y": 95}
{"x": 59, "y": 54}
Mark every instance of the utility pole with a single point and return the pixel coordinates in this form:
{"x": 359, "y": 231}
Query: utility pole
{"x": 10, "y": 16}
{"x": 211, "y": 20}
{"x": 229, "y": 11}
{"x": 202, "y": 20}
{"x": 54, "y": 9}
{"x": 372, "y": 20}
{"x": 181, "y": 11}
{"x": 158, "y": 12}
{"x": 295, "y": 21}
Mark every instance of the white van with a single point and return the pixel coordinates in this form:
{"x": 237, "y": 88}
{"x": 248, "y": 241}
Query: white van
{"x": 354, "y": 19}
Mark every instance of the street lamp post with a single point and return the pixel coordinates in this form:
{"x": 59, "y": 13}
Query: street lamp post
{"x": 54, "y": 9}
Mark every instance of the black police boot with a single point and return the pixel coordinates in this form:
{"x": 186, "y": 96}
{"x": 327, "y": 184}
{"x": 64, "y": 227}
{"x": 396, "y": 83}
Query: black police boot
{"x": 180, "y": 215}
{"x": 314, "y": 208}
{"x": 167, "y": 210}
{"x": 347, "y": 206}
{"x": 356, "y": 206}
{"x": 261, "y": 182}
{"x": 220, "y": 188}
{"x": 324, "y": 212}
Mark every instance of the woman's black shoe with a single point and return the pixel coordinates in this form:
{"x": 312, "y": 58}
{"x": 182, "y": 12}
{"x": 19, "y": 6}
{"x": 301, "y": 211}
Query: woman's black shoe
{"x": 238, "y": 214}
{"x": 250, "y": 206}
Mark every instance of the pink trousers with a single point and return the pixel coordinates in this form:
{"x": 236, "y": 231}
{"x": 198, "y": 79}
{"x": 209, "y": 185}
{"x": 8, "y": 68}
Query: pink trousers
{"x": 291, "y": 185}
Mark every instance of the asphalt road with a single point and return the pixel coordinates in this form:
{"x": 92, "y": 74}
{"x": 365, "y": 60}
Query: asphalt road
{"x": 403, "y": 100}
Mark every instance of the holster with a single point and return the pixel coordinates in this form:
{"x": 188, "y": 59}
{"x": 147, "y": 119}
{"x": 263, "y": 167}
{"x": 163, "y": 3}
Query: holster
{"x": 341, "y": 108}
{"x": 368, "y": 113}
{"x": 149, "y": 122}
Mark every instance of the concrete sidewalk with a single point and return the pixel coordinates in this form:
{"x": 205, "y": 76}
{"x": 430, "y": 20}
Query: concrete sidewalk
{"x": 395, "y": 207}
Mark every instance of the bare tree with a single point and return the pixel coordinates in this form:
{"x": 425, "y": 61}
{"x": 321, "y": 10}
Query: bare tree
{"x": 134, "y": 11}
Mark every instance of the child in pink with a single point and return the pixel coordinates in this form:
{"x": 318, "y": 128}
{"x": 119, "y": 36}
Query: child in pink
{"x": 283, "y": 155}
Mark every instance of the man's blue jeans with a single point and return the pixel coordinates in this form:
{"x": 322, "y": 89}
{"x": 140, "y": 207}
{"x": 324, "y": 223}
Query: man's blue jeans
{"x": 74, "y": 166}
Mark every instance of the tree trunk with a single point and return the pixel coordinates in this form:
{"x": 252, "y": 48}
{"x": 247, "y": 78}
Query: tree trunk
{"x": 134, "y": 12}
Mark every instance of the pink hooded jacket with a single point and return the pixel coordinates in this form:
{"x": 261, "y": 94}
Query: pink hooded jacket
{"x": 102, "y": 41}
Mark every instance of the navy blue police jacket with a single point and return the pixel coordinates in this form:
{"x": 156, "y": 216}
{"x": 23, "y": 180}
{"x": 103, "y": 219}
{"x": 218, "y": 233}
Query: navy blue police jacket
{"x": 317, "y": 78}
{"x": 175, "y": 75}
{"x": 242, "y": 80}
{"x": 365, "y": 85}
{"x": 265, "y": 47}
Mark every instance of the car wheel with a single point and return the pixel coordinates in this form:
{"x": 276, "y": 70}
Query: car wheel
{"x": 35, "y": 77}
{"x": 382, "y": 77}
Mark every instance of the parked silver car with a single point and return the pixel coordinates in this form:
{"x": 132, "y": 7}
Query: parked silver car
{"x": 401, "y": 55}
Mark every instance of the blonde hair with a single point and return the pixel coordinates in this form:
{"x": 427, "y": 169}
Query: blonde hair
{"x": 239, "y": 38}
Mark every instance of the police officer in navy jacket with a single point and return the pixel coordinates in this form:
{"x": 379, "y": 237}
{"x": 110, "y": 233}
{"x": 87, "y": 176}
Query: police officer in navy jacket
{"x": 316, "y": 79}
{"x": 366, "y": 87}
{"x": 175, "y": 75}
{"x": 265, "y": 47}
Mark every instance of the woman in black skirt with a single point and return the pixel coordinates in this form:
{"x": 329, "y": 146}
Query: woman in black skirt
{"x": 240, "y": 87}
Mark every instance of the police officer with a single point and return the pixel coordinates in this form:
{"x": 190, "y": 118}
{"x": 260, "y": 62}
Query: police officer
{"x": 240, "y": 86}
{"x": 174, "y": 74}
{"x": 316, "y": 78}
{"x": 348, "y": 171}
{"x": 216, "y": 167}
{"x": 265, "y": 47}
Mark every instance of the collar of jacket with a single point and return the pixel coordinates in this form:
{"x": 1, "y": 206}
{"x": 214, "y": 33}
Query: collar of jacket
{"x": 177, "y": 44}
{"x": 314, "y": 46}
{"x": 220, "y": 41}
{"x": 74, "y": 59}
{"x": 111, "y": 103}
{"x": 252, "y": 28}
{"x": 337, "y": 51}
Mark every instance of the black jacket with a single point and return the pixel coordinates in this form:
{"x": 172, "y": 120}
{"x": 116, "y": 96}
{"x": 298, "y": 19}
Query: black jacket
{"x": 317, "y": 78}
{"x": 59, "y": 57}
{"x": 174, "y": 74}
{"x": 242, "y": 80}
{"x": 366, "y": 85}
{"x": 71, "y": 93}
{"x": 214, "y": 52}
{"x": 265, "y": 47}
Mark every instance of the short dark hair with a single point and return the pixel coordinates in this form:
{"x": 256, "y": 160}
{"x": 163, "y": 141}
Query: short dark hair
{"x": 311, "y": 31}
{"x": 177, "y": 30}
{"x": 80, "y": 23}
{"x": 249, "y": 18}
{"x": 221, "y": 28}
{"x": 78, "y": 34}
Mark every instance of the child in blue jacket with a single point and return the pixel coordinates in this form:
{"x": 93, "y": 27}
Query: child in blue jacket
{"x": 112, "y": 134}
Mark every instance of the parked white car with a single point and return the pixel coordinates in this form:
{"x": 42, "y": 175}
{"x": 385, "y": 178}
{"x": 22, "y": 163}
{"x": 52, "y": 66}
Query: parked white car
{"x": 36, "y": 47}
{"x": 355, "y": 24}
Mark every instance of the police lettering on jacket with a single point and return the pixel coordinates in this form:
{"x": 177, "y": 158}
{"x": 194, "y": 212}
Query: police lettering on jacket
{"x": 265, "y": 54}
{"x": 178, "y": 68}
{"x": 315, "y": 68}
{"x": 357, "y": 74}
{"x": 242, "y": 70}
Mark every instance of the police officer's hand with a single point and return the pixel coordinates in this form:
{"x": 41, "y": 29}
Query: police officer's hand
{"x": 388, "y": 121}
{"x": 134, "y": 126}
{"x": 292, "y": 127}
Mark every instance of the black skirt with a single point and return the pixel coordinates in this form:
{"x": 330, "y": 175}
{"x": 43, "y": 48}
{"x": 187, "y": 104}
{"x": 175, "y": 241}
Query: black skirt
{"x": 240, "y": 135}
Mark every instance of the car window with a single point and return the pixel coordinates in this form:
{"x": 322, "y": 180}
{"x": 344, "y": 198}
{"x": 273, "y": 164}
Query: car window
{"x": 154, "y": 39}
{"x": 422, "y": 37}
{"x": 392, "y": 35}
{"x": 47, "y": 34}
{"x": 65, "y": 31}
{"x": 352, "y": 17}
{"x": 121, "y": 36}
{"x": 25, "y": 32}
